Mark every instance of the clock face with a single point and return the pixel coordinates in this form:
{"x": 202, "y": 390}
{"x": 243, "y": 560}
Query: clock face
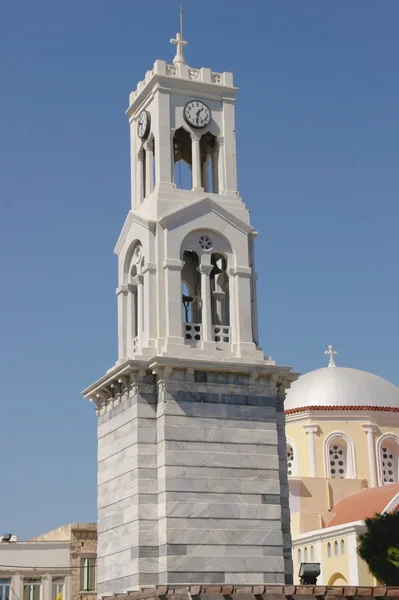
{"x": 143, "y": 124}
{"x": 197, "y": 114}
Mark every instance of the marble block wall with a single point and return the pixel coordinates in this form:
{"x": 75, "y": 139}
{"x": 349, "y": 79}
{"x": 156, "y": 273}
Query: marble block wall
{"x": 192, "y": 488}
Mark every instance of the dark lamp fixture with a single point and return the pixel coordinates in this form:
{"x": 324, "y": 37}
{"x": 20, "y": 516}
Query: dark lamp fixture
{"x": 308, "y": 573}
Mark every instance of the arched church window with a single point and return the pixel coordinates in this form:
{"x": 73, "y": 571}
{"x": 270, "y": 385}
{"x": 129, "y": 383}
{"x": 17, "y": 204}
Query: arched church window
{"x": 209, "y": 163}
{"x": 191, "y": 296}
{"x": 338, "y": 458}
{"x": 328, "y": 550}
{"x": 311, "y": 553}
{"x": 389, "y": 460}
{"x": 305, "y": 554}
{"x": 290, "y": 459}
{"x": 182, "y": 156}
{"x": 335, "y": 548}
{"x": 342, "y": 546}
{"x": 299, "y": 556}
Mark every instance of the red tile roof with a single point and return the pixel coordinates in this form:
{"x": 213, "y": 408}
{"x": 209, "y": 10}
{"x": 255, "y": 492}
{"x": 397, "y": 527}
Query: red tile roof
{"x": 292, "y": 411}
{"x": 363, "y": 505}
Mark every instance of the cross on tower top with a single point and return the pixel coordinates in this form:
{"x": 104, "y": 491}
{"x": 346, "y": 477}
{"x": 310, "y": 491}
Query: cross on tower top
{"x": 180, "y": 43}
{"x": 331, "y": 353}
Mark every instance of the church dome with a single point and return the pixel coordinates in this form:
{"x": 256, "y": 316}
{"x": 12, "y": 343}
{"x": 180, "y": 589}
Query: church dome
{"x": 341, "y": 388}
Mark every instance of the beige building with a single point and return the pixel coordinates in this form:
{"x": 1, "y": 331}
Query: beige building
{"x": 58, "y": 565}
{"x": 342, "y": 428}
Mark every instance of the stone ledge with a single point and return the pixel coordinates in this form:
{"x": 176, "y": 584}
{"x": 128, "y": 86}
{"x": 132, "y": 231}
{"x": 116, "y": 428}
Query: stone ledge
{"x": 255, "y": 592}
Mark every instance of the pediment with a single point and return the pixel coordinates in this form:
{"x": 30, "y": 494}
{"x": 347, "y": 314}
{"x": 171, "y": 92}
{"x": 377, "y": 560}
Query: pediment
{"x": 132, "y": 217}
{"x": 199, "y": 208}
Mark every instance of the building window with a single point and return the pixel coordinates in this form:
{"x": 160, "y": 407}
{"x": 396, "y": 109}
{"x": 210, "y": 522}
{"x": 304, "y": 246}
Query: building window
{"x": 5, "y": 588}
{"x": 32, "y": 589}
{"x": 329, "y": 550}
{"x": 335, "y": 548}
{"x": 342, "y": 546}
{"x": 299, "y": 556}
{"x": 58, "y": 588}
{"x": 312, "y": 553}
{"x": 305, "y": 555}
{"x": 290, "y": 459}
{"x": 87, "y": 574}
{"x": 338, "y": 459}
{"x": 389, "y": 461}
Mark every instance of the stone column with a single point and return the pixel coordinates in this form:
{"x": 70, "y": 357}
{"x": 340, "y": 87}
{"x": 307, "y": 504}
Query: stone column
{"x": 215, "y": 171}
{"x": 232, "y": 305}
{"x": 220, "y": 166}
{"x": 121, "y": 293}
{"x": 16, "y": 591}
{"x": 149, "y": 167}
{"x": 369, "y": 430}
{"x": 162, "y": 140}
{"x": 207, "y": 333}
{"x": 243, "y": 276}
{"x": 140, "y": 310}
{"x": 131, "y": 316}
{"x": 196, "y": 164}
{"x": 148, "y": 272}
{"x": 230, "y": 159}
{"x": 140, "y": 178}
{"x": 310, "y": 432}
{"x": 173, "y": 302}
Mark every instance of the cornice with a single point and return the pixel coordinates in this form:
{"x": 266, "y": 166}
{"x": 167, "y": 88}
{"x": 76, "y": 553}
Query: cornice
{"x": 211, "y": 206}
{"x": 374, "y": 414}
{"x": 329, "y": 532}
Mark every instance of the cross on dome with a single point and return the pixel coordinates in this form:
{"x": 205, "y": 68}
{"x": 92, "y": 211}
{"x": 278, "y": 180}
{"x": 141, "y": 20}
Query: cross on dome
{"x": 180, "y": 43}
{"x": 330, "y": 352}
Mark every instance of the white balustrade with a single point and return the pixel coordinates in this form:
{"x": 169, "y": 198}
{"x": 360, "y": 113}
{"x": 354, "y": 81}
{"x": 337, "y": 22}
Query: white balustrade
{"x": 193, "y": 332}
{"x": 221, "y": 333}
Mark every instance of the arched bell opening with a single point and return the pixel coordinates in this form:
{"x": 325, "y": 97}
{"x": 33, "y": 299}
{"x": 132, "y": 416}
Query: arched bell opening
{"x": 209, "y": 163}
{"x": 191, "y": 296}
{"x": 183, "y": 161}
{"x": 220, "y": 298}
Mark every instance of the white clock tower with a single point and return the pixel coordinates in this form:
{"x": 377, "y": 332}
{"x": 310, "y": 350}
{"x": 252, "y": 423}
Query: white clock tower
{"x": 192, "y": 478}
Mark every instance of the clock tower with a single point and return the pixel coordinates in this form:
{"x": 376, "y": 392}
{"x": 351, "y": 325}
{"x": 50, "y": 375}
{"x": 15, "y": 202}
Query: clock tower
{"x": 192, "y": 476}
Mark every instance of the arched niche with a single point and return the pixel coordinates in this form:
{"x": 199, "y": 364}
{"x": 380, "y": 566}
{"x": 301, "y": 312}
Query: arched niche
{"x": 209, "y": 152}
{"x": 182, "y": 159}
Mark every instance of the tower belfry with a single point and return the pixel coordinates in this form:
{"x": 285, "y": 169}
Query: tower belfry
{"x": 192, "y": 477}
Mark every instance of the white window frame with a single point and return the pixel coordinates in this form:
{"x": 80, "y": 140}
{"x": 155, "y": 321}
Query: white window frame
{"x": 5, "y": 582}
{"x": 350, "y": 454}
{"x": 58, "y": 582}
{"x": 82, "y": 576}
{"x": 290, "y": 442}
{"x": 383, "y": 439}
{"x": 32, "y": 582}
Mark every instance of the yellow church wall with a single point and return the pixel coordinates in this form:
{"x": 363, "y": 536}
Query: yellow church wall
{"x": 365, "y": 577}
{"x": 296, "y": 433}
{"x": 336, "y": 551}
{"x": 352, "y": 428}
{"x": 335, "y": 561}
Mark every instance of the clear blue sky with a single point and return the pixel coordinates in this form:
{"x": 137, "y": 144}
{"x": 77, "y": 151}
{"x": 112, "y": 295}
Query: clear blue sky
{"x": 317, "y": 127}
